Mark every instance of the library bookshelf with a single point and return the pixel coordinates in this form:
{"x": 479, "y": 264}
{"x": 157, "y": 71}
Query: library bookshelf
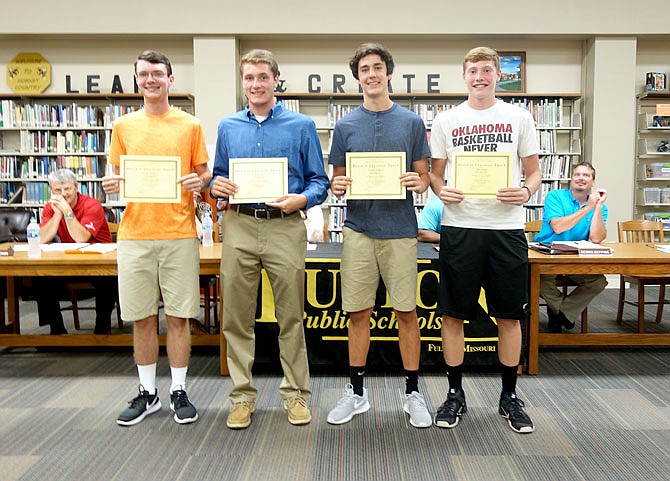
{"x": 558, "y": 118}
{"x": 43, "y": 133}
{"x": 652, "y": 168}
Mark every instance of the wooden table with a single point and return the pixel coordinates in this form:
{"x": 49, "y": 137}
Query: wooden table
{"x": 61, "y": 264}
{"x": 632, "y": 259}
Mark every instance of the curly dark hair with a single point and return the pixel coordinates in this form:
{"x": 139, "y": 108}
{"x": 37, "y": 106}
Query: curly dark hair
{"x": 368, "y": 49}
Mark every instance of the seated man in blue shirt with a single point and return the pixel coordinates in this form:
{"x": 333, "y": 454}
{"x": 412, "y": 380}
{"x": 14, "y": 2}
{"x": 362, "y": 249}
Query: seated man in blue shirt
{"x": 577, "y": 213}
{"x": 430, "y": 220}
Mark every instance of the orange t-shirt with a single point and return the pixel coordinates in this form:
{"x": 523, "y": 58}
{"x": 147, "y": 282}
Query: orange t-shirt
{"x": 174, "y": 133}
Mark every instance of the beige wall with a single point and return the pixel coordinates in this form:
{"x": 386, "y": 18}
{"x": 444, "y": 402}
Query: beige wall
{"x": 569, "y": 49}
{"x": 351, "y": 17}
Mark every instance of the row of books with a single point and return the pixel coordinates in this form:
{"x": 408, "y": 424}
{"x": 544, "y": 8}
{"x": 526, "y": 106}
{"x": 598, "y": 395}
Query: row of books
{"x": 547, "y": 113}
{"x": 12, "y": 167}
{"x": 39, "y": 193}
{"x": 534, "y": 213}
{"x": 427, "y": 112}
{"x": 8, "y": 192}
{"x": 337, "y": 111}
{"x": 291, "y": 104}
{"x": 336, "y": 217}
{"x": 556, "y": 166}
{"x": 64, "y": 142}
{"x": 547, "y": 141}
{"x": 541, "y": 193}
{"x": 17, "y": 115}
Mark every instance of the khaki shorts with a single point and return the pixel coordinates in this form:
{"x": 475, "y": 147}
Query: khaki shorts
{"x": 365, "y": 258}
{"x": 149, "y": 268}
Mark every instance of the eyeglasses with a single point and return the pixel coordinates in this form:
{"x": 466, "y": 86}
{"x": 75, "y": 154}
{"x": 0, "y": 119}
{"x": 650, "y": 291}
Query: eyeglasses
{"x": 158, "y": 75}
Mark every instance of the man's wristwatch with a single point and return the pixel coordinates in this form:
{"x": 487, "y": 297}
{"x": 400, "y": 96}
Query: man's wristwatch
{"x": 69, "y": 216}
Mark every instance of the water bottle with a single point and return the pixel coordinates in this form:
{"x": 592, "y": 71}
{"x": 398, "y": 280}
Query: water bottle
{"x": 33, "y": 234}
{"x": 207, "y": 230}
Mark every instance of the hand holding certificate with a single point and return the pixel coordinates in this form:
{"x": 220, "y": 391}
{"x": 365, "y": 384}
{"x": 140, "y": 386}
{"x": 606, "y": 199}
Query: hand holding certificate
{"x": 150, "y": 179}
{"x": 376, "y": 175}
{"x": 481, "y": 174}
{"x": 259, "y": 180}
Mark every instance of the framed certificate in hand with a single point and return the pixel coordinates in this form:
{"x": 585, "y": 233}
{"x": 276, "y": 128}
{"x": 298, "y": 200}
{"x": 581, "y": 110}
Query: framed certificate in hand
{"x": 480, "y": 174}
{"x": 259, "y": 179}
{"x": 149, "y": 178}
{"x": 375, "y": 175}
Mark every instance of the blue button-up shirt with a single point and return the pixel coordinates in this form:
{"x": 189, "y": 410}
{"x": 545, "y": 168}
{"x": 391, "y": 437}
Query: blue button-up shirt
{"x": 283, "y": 133}
{"x": 560, "y": 203}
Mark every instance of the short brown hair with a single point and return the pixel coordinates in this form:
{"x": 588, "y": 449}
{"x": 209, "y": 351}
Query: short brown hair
{"x": 586, "y": 164}
{"x": 369, "y": 49}
{"x": 478, "y": 54}
{"x": 260, "y": 56}
{"x": 152, "y": 56}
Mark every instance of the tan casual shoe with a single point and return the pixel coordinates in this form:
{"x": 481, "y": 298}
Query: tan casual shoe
{"x": 298, "y": 412}
{"x": 240, "y": 416}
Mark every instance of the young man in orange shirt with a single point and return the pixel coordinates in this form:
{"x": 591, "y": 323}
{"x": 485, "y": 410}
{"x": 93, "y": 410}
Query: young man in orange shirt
{"x": 158, "y": 251}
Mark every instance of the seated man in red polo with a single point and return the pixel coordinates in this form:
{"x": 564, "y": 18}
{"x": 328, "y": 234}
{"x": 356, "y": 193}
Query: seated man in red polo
{"x": 74, "y": 217}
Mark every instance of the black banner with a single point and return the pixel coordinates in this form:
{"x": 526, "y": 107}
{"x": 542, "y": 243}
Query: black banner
{"x": 326, "y": 323}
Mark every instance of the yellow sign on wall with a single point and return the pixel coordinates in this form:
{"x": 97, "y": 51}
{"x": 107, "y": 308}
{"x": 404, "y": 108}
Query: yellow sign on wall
{"x": 28, "y": 73}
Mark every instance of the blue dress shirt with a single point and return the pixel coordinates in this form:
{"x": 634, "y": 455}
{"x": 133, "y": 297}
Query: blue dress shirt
{"x": 283, "y": 133}
{"x": 559, "y": 203}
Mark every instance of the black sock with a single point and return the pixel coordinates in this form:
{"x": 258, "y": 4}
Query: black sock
{"x": 356, "y": 374}
{"x": 509, "y": 375}
{"x": 411, "y": 381}
{"x": 455, "y": 376}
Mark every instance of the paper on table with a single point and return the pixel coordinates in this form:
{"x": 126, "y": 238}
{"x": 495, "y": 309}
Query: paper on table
{"x": 62, "y": 246}
{"x": 93, "y": 249}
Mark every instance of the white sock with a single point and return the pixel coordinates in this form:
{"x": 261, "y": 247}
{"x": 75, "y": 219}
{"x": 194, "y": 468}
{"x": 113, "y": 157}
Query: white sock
{"x": 148, "y": 377}
{"x": 178, "y": 378}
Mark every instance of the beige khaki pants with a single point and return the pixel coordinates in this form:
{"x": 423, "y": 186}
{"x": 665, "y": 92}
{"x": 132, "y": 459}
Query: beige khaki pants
{"x": 278, "y": 245}
{"x": 572, "y": 305}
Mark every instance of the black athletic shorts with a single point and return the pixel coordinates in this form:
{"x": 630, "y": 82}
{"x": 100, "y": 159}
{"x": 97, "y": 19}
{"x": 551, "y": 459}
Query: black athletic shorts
{"x": 470, "y": 259}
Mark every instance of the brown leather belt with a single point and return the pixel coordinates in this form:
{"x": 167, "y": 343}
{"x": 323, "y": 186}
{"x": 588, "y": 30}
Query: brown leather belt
{"x": 258, "y": 213}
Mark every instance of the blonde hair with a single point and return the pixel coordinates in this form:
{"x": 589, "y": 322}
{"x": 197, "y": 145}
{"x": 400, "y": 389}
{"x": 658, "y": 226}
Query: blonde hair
{"x": 260, "y": 56}
{"x": 478, "y": 54}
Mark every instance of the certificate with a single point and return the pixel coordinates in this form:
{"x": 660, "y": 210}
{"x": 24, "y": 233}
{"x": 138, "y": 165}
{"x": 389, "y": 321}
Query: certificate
{"x": 149, "y": 178}
{"x": 480, "y": 174}
{"x": 376, "y": 175}
{"x": 259, "y": 179}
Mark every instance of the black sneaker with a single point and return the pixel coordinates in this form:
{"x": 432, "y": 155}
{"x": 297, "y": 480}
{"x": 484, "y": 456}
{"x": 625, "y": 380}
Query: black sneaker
{"x": 511, "y": 408}
{"x": 139, "y": 408}
{"x": 567, "y": 323}
{"x": 184, "y": 411}
{"x": 452, "y": 409}
{"x": 555, "y": 324}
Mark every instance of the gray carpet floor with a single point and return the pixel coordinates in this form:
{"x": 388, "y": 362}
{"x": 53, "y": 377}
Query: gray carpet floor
{"x": 600, "y": 414}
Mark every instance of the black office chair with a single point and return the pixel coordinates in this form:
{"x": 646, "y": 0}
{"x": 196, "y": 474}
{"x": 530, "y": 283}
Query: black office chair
{"x": 13, "y": 224}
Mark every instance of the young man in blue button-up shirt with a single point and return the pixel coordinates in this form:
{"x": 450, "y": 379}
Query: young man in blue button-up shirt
{"x": 270, "y": 235}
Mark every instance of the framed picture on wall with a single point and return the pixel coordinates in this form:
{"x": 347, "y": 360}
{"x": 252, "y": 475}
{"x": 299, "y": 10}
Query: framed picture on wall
{"x": 513, "y": 68}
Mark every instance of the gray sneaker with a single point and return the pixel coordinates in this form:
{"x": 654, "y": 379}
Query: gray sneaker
{"x": 348, "y": 406}
{"x": 415, "y": 405}
{"x": 139, "y": 408}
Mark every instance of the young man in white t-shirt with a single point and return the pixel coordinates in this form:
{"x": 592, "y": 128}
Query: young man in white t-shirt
{"x": 482, "y": 242}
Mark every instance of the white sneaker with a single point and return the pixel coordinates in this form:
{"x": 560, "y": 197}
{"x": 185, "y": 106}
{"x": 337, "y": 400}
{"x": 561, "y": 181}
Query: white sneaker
{"x": 348, "y": 406}
{"x": 415, "y": 405}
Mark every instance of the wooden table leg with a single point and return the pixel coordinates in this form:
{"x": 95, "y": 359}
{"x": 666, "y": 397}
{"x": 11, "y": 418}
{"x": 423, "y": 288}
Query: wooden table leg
{"x": 13, "y": 306}
{"x": 534, "y": 324}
